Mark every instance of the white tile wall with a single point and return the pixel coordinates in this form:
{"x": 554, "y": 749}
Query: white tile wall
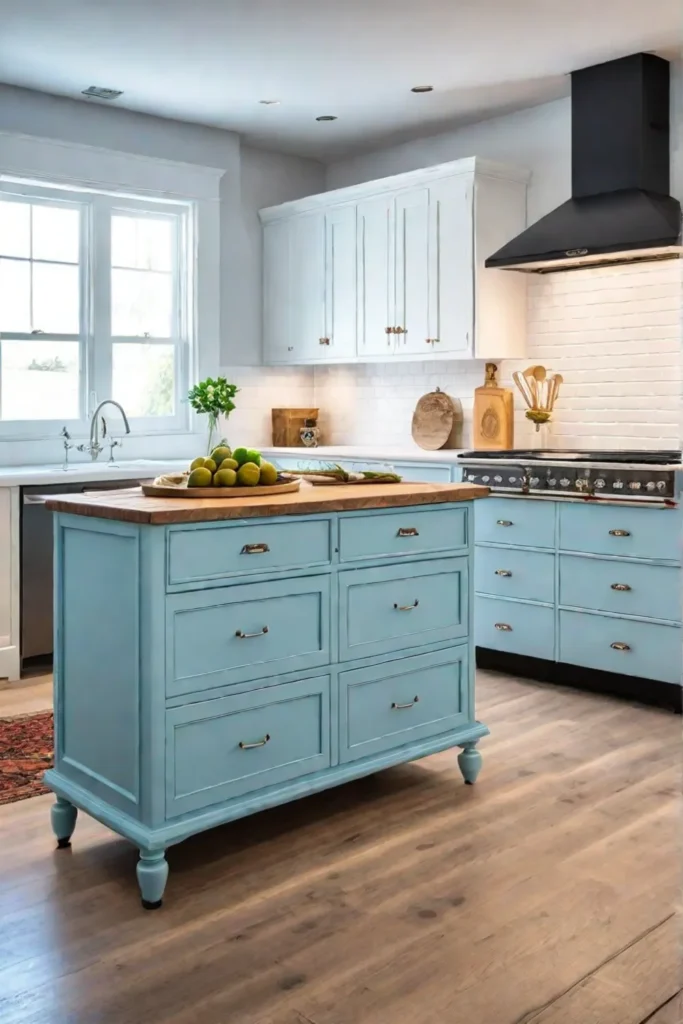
{"x": 263, "y": 389}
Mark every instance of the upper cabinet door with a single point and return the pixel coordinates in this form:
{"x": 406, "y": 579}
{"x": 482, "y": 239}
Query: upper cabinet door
{"x": 307, "y": 284}
{"x": 451, "y": 266}
{"x": 412, "y": 246}
{"x": 376, "y": 303}
{"x": 339, "y": 339}
{"x": 277, "y": 343}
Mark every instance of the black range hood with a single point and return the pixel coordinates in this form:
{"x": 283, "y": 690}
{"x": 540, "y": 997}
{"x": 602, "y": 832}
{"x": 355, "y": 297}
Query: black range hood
{"x": 620, "y": 210}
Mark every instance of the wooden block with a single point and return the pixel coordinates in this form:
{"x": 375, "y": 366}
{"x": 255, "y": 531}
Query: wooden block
{"x": 287, "y": 424}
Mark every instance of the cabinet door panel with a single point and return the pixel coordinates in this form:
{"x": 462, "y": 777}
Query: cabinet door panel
{"x": 276, "y": 306}
{"x": 340, "y": 283}
{"x": 375, "y": 276}
{"x": 307, "y": 289}
{"x": 412, "y": 271}
{"x": 451, "y": 274}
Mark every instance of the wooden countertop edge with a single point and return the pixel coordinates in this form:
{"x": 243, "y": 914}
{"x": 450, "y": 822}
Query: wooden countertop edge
{"x": 134, "y": 507}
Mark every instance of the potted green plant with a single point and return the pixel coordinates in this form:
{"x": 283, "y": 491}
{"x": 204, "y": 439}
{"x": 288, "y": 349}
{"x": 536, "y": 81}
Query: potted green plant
{"x": 214, "y": 398}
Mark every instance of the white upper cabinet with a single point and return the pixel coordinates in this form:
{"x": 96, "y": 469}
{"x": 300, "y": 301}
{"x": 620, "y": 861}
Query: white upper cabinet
{"x": 394, "y": 269}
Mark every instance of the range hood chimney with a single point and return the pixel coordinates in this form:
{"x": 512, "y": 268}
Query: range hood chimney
{"x": 620, "y": 210}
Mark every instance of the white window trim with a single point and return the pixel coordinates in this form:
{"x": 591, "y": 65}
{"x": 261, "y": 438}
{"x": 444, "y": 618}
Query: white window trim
{"x": 125, "y": 176}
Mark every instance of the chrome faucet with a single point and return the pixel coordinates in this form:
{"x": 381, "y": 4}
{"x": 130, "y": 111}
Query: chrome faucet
{"x": 94, "y": 448}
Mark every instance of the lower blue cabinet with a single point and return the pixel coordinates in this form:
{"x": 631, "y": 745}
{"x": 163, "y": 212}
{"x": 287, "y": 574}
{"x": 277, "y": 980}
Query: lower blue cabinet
{"x": 229, "y": 746}
{"x": 399, "y": 702}
{"x": 508, "y": 572}
{"x": 620, "y": 586}
{"x": 646, "y": 649}
{"x": 514, "y": 627}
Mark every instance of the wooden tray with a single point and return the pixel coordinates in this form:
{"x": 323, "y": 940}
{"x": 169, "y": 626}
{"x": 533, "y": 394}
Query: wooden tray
{"x": 155, "y": 490}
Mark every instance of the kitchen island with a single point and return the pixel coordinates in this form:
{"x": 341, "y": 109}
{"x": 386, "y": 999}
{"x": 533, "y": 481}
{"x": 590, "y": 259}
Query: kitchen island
{"x": 215, "y": 657}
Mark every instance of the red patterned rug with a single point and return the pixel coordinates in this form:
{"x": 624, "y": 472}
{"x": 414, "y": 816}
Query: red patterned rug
{"x": 26, "y": 746}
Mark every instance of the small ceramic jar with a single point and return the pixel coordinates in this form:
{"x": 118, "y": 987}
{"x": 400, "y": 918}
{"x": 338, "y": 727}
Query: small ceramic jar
{"x": 310, "y": 434}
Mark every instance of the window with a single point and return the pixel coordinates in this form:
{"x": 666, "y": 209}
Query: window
{"x": 95, "y": 297}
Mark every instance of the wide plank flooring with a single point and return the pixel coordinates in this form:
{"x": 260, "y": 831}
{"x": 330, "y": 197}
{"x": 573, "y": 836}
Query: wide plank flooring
{"x": 545, "y": 894}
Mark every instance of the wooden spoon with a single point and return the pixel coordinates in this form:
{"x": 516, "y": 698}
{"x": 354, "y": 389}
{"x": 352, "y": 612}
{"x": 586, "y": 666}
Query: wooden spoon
{"x": 523, "y": 385}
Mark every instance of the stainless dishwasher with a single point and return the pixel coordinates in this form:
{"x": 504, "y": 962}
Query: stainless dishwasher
{"x": 36, "y": 562}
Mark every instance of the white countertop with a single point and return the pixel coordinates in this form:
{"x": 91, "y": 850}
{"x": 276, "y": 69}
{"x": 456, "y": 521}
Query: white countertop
{"x": 81, "y": 472}
{"x": 386, "y": 453}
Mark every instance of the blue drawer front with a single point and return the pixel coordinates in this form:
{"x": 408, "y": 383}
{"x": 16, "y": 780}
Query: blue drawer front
{"x": 214, "y": 552}
{"x": 529, "y": 523}
{"x": 653, "y": 651}
{"x": 627, "y": 588}
{"x": 397, "y": 607}
{"x": 612, "y": 530}
{"x": 287, "y": 623}
{"x": 516, "y": 628}
{"x": 284, "y": 732}
{"x": 408, "y": 532}
{"x": 401, "y": 702}
{"x": 506, "y": 572}
{"x": 415, "y": 471}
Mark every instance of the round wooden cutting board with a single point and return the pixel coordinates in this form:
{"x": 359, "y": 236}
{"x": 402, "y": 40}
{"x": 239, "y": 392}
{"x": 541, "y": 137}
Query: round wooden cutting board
{"x": 436, "y": 421}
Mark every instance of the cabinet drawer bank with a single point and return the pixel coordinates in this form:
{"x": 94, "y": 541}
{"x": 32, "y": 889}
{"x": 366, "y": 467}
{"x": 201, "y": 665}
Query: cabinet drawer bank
{"x": 218, "y": 657}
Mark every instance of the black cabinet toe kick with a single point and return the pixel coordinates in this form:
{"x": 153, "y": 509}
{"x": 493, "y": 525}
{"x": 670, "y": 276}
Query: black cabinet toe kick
{"x": 644, "y": 691}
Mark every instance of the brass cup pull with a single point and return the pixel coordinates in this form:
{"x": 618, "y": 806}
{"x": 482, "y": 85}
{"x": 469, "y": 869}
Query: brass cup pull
{"x": 503, "y": 522}
{"x": 620, "y": 586}
{"x": 620, "y": 533}
{"x": 258, "y": 743}
{"x": 503, "y": 627}
{"x": 389, "y": 330}
{"x": 402, "y": 707}
{"x": 618, "y": 646}
{"x": 255, "y": 549}
{"x": 503, "y": 572}
{"x": 407, "y": 531}
{"x": 248, "y": 636}
{"x": 406, "y": 607}
{"x": 323, "y": 341}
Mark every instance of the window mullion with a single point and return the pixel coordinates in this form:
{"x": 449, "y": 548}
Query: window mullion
{"x": 101, "y": 293}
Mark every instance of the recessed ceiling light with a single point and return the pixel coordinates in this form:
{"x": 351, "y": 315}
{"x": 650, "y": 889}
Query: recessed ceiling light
{"x": 102, "y": 94}
{"x": 269, "y": 103}
{"x": 422, "y": 88}
{"x": 327, "y": 117}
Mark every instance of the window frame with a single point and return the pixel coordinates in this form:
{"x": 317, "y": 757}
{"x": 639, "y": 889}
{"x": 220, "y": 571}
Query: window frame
{"x": 97, "y": 207}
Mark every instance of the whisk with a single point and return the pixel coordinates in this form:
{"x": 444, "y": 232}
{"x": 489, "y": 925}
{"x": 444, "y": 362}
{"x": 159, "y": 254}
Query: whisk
{"x": 539, "y": 392}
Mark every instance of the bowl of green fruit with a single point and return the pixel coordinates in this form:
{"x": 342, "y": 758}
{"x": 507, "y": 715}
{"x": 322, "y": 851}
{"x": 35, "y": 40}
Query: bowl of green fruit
{"x": 225, "y": 473}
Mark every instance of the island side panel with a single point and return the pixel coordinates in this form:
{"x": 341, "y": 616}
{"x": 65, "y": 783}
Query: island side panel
{"x": 97, "y": 659}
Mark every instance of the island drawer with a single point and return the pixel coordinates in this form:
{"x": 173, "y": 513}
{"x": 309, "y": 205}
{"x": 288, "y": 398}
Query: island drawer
{"x": 612, "y": 644}
{"x": 392, "y": 608}
{"x": 612, "y": 530}
{"x": 233, "y": 634}
{"x": 508, "y": 572}
{"x": 627, "y": 588}
{"x": 526, "y": 522}
{"x": 514, "y": 627}
{"x": 409, "y": 531}
{"x": 224, "y": 748}
{"x": 215, "y": 551}
{"x": 400, "y": 702}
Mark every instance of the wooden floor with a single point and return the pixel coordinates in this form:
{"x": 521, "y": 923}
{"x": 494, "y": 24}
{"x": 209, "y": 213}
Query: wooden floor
{"x": 32, "y": 694}
{"x": 545, "y": 894}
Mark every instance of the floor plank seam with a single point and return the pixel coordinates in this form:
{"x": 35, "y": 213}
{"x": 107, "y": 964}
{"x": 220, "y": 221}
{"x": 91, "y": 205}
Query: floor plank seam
{"x": 667, "y": 1002}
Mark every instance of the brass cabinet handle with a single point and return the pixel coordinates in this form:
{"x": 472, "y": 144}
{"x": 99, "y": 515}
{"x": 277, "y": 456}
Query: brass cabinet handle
{"x": 618, "y": 646}
{"x": 400, "y": 330}
{"x": 503, "y": 572}
{"x": 503, "y": 522}
{"x": 389, "y": 330}
{"x": 503, "y": 627}
{"x": 620, "y": 533}
{"x": 248, "y": 636}
{"x": 401, "y": 707}
{"x": 255, "y": 549}
{"x": 323, "y": 341}
{"x": 407, "y": 531}
{"x": 258, "y": 743}
{"x": 620, "y": 586}
{"x": 428, "y": 341}
{"x": 406, "y": 607}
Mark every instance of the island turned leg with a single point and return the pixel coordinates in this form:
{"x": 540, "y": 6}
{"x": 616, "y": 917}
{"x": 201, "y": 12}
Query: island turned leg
{"x": 469, "y": 762}
{"x": 63, "y": 819}
{"x": 152, "y": 872}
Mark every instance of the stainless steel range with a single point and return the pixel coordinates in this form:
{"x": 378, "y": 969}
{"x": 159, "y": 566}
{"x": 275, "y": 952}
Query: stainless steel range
{"x": 634, "y": 476}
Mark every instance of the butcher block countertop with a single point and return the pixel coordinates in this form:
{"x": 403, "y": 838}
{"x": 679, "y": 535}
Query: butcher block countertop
{"x": 132, "y": 506}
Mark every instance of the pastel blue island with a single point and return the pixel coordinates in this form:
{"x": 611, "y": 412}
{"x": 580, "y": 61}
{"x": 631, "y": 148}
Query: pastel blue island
{"x": 216, "y": 657}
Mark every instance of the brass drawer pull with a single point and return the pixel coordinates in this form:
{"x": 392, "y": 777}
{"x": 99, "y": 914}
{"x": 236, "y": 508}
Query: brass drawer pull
{"x": 323, "y": 341}
{"x": 407, "y": 531}
{"x": 402, "y": 707}
{"x": 620, "y": 586}
{"x": 389, "y": 330}
{"x": 503, "y": 572}
{"x": 503, "y": 522}
{"x": 618, "y": 646}
{"x": 400, "y": 330}
{"x": 503, "y": 627}
{"x": 255, "y": 549}
{"x": 406, "y": 607}
{"x": 258, "y": 743}
{"x": 248, "y": 636}
{"x": 620, "y": 533}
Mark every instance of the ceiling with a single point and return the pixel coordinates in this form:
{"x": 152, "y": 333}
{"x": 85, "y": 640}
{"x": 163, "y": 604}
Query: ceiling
{"x": 211, "y": 61}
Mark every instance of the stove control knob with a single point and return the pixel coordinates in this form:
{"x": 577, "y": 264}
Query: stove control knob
{"x": 564, "y": 482}
{"x": 581, "y": 484}
{"x": 485, "y": 479}
{"x": 634, "y": 485}
{"x": 650, "y": 485}
{"x": 661, "y": 485}
{"x": 534, "y": 481}
{"x": 618, "y": 484}
{"x": 599, "y": 482}
{"x": 497, "y": 479}
{"x": 551, "y": 481}
{"x": 512, "y": 479}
